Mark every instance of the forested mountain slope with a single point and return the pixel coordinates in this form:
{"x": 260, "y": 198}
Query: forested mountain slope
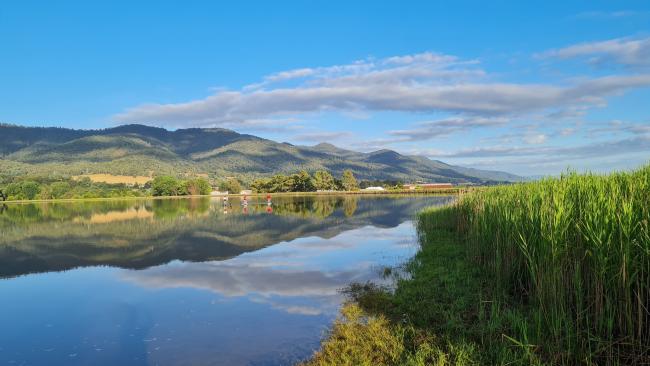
{"x": 142, "y": 150}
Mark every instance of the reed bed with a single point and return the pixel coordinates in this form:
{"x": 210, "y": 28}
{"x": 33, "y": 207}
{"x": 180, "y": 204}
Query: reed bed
{"x": 574, "y": 252}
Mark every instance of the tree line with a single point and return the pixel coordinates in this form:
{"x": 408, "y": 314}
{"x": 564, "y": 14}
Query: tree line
{"x": 167, "y": 185}
{"x": 31, "y": 189}
{"x": 305, "y": 182}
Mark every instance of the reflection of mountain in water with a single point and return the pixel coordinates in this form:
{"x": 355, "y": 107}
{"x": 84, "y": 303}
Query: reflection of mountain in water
{"x": 138, "y": 234}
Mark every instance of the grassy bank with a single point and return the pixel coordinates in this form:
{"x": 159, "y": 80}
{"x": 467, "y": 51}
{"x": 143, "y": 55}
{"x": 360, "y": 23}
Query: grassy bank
{"x": 551, "y": 272}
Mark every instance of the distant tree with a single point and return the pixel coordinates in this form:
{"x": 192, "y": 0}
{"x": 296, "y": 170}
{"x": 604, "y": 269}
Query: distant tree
{"x": 235, "y": 185}
{"x": 45, "y": 193}
{"x": 302, "y": 182}
{"x": 261, "y": 185}
{"x": 26, "y": 190}
{"x": 198, "y": 186}
{"x": 338, "y": 185}
{"x": 3, "y": 196}
{"x": 183, "y": 188}
{"x": 348, "y": 181}
{"x": 85, "y": 182}
{"x": 324, "y": 181}
{"x": 203, "y": 186}
{"x": 14, "y": 191}
{"x": 281, "y": 183}
{"x": 165, "y": 186}
{"x": 59, "y": 189}
{"x": 230, "y": 185}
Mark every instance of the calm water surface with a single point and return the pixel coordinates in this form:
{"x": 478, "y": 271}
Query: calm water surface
{"x": 188, "y": 281}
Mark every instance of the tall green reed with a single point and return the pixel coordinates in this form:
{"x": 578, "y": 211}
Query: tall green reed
{"x": 575, "y": 252}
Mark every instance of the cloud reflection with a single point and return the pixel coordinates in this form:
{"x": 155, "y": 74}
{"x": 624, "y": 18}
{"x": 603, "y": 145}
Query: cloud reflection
{"x": 303, "y": 276}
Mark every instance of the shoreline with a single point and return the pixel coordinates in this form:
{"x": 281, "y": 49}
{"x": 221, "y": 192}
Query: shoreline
{"x": 445, "y": 191}
{"x": 507, "y": 275}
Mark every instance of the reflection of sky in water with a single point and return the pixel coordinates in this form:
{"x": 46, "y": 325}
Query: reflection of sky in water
{"x": 303, "y": 276}
{"x": 269, "y": 306}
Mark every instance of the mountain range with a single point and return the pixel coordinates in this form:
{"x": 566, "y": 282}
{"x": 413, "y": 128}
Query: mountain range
{"x": 144, "y": 150}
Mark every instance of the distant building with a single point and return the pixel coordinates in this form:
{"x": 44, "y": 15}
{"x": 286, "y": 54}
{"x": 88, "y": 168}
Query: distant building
{"x": 218, "y": 193}
{"x": 428, "y": 186}
{"x": 246, "y": 192}
{"x": 374, "y": 189}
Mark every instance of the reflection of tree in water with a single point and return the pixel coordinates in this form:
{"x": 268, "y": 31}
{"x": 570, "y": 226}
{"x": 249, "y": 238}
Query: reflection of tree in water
{"x": 20, "y": 214}
{"x": 16, "y": 214}
{"x": 323, "y": 207}
{"x": 315, "y": 206}
{"x": 166, "y": 209}
{"x": 169, "y": 208}
{"x": 174, "y": 208}
{"x": 40, "y": 237}
{"x": 350, "y": 205}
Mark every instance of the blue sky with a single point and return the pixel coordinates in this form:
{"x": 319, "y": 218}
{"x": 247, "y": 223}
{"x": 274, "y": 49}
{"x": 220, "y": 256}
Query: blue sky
{"x": 507, "y": 85}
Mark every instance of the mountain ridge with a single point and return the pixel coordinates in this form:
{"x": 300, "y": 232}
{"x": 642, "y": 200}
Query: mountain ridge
{"x": 139, "y": 149}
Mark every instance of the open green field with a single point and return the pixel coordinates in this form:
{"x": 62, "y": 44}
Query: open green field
{"x": 555, "y": 272}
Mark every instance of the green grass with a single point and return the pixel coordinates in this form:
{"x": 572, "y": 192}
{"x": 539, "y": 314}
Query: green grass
{"x": 430, "y": 319}
{"x": 551, "y": 272}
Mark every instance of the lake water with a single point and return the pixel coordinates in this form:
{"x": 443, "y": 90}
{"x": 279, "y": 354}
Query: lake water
{"x": 189, "y": 281}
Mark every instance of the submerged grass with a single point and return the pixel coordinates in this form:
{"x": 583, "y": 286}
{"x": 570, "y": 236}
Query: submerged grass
{"x": 550, "y": 272}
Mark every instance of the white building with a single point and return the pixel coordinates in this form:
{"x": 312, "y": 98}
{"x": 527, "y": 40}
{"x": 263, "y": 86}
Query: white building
{"x": 374, "y": 189}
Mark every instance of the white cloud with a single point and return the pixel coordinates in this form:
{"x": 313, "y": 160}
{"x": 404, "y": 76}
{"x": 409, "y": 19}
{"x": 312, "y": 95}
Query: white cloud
{"x": 623, "y": 51}
{"x": 425, "y": 82}
{"x": 590, "y": 150}
{"x": 535, "y": 139}
{"x": 444, "y": 127}
{"x": 567, "y": 131}
{"x": 321, "y": 136}
{"x": 426, "y": 57}
{"x": 292, "y": 74}
{"x": 397, "y": 90}
{"x": 616, "y": 127}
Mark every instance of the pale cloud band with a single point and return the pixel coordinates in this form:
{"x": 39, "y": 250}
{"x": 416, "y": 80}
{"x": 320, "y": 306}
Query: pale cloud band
{"x": 417, "y": 83}
{"x": 628, "y": 52}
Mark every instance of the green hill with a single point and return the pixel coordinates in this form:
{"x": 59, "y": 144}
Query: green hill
{"x": 141, "y": 150}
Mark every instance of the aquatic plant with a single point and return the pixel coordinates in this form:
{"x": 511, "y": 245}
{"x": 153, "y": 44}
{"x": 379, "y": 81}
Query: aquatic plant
{"x": 574, "y": 251}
